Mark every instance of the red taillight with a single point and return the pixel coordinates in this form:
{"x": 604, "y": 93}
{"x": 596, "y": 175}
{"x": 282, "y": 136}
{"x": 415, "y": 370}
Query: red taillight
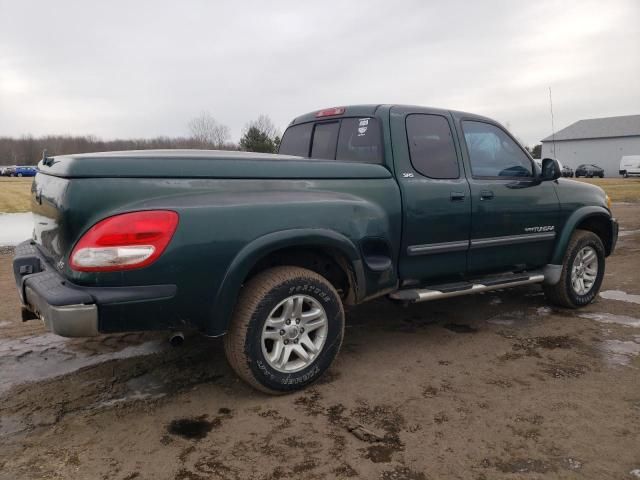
{"x": 330, "y": 112}
{"x": 124, "y": 242}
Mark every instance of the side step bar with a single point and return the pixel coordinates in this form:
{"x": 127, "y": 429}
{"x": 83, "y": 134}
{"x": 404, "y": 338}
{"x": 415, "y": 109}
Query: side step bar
{"x": 436, "y": 292}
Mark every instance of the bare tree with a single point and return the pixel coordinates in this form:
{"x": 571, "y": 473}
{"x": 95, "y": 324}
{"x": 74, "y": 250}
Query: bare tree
{"x": 206, "y": 131}
{"x": 27, "y": 150}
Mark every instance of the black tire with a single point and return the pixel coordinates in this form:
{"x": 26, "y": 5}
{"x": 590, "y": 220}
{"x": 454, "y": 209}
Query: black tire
{"x": 19, "y": 175}
{"x": 563, "y": 293}
{"x": 257, "y": 300}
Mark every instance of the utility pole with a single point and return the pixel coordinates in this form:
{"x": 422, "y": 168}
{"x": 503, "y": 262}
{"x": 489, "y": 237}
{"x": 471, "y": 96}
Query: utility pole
{"x": 553, "y": 130}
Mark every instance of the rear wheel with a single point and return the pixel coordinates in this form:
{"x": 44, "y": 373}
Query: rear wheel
{"x": 582, "y": 272}
{"x": 286, "y": 330}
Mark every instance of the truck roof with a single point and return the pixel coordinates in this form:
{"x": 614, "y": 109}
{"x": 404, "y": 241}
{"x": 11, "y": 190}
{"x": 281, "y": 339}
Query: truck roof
{"x": 370, "y": 110}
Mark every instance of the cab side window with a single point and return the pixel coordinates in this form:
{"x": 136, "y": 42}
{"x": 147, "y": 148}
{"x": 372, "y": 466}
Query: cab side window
{"x": 493, "y": 153}
{"x": 431, "y": 147}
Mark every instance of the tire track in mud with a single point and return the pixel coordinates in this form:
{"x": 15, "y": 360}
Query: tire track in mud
{"x": 112, "y": 372}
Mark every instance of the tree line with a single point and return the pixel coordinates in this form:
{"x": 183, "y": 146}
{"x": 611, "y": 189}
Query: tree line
{"x": 205, "y": 132}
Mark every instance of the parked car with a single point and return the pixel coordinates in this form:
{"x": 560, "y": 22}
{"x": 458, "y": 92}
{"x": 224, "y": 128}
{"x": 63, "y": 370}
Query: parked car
{"x": 24, "y": 172}
{"x": 8, "y": 171}
{"x": 567, "y": 171}
{"x": 412, "y": 203}
{"x": 589, "y": 171}
{"x": 630, "y": 165}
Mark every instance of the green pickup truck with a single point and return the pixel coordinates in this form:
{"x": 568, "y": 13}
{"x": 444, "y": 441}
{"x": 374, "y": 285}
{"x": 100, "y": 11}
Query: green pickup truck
{"x": 409, "y": 202}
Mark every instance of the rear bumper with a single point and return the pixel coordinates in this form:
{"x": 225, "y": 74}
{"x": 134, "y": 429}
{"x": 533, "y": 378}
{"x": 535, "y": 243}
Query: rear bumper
{"x": 73, "y": 310}
{"x": 67, "y": 320}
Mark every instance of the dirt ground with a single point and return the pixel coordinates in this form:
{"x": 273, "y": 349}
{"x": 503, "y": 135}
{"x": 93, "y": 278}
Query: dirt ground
{"x": 493, "y": 386}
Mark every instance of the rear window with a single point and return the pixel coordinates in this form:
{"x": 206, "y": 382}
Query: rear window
{"x": 295, "y": 140}
{"x": 325, "y": 137}
{"x": 349, "y": 139}
{"x": 360, "y": 141}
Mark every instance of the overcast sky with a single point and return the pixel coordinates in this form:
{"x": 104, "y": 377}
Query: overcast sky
{"x": 142, "y": 69}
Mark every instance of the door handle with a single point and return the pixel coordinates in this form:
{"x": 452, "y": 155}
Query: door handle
{"x": 486, "y": 195}
{"x": 457, "y": 196}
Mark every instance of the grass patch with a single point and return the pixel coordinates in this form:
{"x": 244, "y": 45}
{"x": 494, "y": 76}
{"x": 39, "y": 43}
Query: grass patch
{"x": 15, "y": 194}
{"x": 619, "y": 189}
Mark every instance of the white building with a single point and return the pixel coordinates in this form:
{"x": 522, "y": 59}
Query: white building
{"x": 602, "y": 141}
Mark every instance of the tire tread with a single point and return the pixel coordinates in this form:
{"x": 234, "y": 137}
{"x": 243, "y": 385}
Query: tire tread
{"x": 251, "y": 295}
{"x": 558, "y": 294}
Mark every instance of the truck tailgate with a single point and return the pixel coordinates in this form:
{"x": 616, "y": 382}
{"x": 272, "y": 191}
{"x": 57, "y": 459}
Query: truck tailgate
{"x": 50, "y": 230}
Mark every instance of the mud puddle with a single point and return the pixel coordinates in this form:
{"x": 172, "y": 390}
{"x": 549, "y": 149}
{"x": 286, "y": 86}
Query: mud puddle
{"x": 612, "y": 319}
{"x": 460, "y": 328}
{"x": 620, "y": 352}
{"x": 620, "y": 296}
{"x": 519, "y": 318}
{"x": 10, "y": 424}
{"x": 149, "y": 386}
{"x": 41, "y": 357}
{"x": 191, "y": 428}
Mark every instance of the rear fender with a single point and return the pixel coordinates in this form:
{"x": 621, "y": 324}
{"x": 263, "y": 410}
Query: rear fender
{"x": 245, "y": 260}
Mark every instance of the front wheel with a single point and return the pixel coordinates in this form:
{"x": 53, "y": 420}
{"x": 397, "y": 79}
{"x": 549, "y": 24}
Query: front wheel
{"x": 582, "y": 272}
{"x": 286, "y": 329}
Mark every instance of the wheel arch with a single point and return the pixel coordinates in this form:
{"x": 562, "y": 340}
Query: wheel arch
{"x": 594, "y": 219}
{"x": 273, "y": 249}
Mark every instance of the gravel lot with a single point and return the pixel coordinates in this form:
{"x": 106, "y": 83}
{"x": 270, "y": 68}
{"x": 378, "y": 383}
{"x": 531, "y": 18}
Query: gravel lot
{"x": 494, "y": 386}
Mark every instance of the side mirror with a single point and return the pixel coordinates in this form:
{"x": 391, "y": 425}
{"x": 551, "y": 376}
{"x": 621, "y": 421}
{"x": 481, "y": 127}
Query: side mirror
{"x": 550, "y": 170}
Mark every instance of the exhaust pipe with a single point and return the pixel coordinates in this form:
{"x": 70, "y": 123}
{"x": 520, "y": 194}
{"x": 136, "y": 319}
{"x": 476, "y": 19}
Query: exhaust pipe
{"x": 176, "y": 339}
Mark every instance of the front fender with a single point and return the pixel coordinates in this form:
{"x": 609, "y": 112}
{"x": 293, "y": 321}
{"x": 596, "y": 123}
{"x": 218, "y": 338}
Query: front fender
{"x": 251, "y": 253}
{"x": 570, "y": 225}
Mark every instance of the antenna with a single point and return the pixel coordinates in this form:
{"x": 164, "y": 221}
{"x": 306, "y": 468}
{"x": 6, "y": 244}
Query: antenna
{"x": 553, "y": 130}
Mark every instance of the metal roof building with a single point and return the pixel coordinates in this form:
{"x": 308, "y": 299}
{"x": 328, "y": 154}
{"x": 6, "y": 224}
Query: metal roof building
{"x": 602, "y": 141}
